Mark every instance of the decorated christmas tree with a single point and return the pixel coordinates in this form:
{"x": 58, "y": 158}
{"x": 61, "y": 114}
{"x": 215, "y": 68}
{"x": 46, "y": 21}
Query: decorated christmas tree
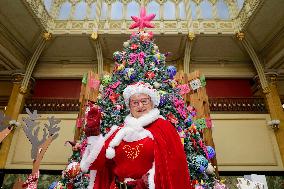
{"x": 141, "y": 61}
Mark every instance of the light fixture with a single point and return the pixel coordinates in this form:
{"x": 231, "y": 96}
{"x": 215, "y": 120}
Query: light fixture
{"x": 274, "y": 124}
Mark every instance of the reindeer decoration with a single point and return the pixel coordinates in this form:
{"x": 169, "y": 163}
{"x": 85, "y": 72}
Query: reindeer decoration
{"x": 6, "y": 126}
{"x": 39, "y": 147}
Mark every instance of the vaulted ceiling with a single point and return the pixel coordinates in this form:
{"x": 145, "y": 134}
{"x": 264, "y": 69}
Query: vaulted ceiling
{"x": 70, "y": 55}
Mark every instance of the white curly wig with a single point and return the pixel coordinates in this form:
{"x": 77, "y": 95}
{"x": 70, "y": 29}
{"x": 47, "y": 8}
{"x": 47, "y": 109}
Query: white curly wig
{"x": 141, "y": 88}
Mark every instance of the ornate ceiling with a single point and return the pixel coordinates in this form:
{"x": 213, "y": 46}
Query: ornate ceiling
{"x": 71, "y": 51}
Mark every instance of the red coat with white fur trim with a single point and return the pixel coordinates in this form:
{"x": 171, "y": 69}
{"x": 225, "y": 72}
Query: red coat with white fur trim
{"x": 170, "y": 171}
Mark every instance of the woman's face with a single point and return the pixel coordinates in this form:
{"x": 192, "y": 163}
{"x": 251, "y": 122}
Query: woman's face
{"x": 140, "y": 104}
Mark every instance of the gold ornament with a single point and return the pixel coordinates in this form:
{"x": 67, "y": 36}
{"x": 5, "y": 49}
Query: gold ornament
{"x": 240, "y": 35}
{"x": 47, "y": 36}
{"x": 94, "y": 35}
{"x": 191, "y": 36}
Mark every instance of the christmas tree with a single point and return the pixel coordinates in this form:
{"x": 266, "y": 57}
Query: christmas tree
{"x": 141, "y": 61}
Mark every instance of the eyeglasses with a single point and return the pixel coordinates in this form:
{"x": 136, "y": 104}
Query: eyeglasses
{"x": 144, "y": 101}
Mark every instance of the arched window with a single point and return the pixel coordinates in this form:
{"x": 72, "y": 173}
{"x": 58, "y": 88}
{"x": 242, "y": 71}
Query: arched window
{"x": 80, "y": 11}
{"x": 182, "y": 14}
{"x": 64, "y": 12}
{"x": 193, "y": 10}
{"x": 206, "y": 9}
{"x": 93, "y": 11}
{"x": 47, "y": 4}
{"x": 104, "y": 11}
{"x": 116, "y": 10}
{"x": 223, "y": 10}
{"x": 132, "y": 9}
{"x": 169, "y": 11}
{"x": 240, "y": 4}
{"x": 154, "y": 7}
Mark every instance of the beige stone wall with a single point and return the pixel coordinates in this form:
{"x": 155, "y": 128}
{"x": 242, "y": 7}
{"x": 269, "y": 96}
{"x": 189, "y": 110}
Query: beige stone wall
{"x": 243, "y": 143}
{"x": 57, "y": 154}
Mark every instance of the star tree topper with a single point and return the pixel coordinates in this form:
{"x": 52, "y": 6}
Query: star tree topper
{"x": 143, "y": 21}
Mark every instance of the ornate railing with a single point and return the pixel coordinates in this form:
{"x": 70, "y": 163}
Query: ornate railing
{"x": 52, "y": 105}
{"x": 255, "y": 105}
{"x": 232, "y": 105}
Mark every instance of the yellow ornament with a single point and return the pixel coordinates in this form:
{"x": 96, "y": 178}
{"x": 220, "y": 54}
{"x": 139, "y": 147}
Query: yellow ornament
{"x": 173, "y": 83}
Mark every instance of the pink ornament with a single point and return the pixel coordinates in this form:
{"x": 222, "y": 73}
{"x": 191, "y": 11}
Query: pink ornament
{"x": 183, "y": 89}
{"x": 134, "y": 46}
{"x": 143, "y": 21}
{"x": 209, "y": 122}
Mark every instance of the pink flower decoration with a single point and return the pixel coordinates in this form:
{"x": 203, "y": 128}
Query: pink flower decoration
{"x": 143, "y": 21}
{"x": 133, "y": 58}
{"x": 141, "y": 57}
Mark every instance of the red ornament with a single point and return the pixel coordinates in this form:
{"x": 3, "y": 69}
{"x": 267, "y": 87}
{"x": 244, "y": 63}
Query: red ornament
{"x": 171, "y": 117}
{"x": 150, "y": 75}
{"x": 69, "y": 186}
{"x": 113, "y": 97}
{"x": 134, "y": 46}
{"x": 73, "y": 169}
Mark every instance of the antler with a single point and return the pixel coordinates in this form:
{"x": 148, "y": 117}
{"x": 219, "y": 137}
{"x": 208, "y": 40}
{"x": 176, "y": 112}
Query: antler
{"x": 30, "y": 124}
{"x": 52, "y": 127}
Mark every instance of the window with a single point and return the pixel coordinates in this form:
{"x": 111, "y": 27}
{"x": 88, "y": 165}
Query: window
{"x": 65, "y": 10}
{"x": 116, "y": 10}
{"x": 206, "y": 9}
{"x": 169, "y": 11}
{"x": 47, "y": 4}
{"x": 154, "y": 7}
{"x": 104, "y": 11}
{"x": 182, "y": 14}
{"x": 240, "y": 4}
{"x": 132, "y": 9}
{"x": 93, "y": 11}
{"x": 80, "y": 11}
{"x": 223, "y": 10}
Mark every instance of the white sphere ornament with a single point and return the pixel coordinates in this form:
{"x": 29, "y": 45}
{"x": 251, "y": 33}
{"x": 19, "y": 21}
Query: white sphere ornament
{"x": 156, "y": 85}
{"x": 210, "y": 169}
{"x": 156, "y": 47}
{"x": 126, "y": 44}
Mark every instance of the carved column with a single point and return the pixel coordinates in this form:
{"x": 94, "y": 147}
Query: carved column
{"x": 275, "y": 109}
{"x": 269, "y": 90}
{"x": 14, "y": 108}
{"x": 21, "y": 88}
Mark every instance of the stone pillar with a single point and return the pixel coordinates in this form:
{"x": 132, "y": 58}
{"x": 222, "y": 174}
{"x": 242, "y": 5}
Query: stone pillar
{"x": 14, "y": 108}
{"x": 274, "y": 106}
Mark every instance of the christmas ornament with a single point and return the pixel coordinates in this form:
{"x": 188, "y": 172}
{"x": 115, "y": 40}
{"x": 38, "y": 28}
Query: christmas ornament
{"x": 144, "y": 36}
{"x": 117, "y": 56}
{"x": 210, "y": 169}
{"x": 201, "y": 161}
{"x": 171, "y": 117}
{"x": 200, "y": 123}
{"x": 129, "y": 73}
{"x": 171, "y": 70}
{"x": 73, "y": 169}
{"x": 156, "y": 85}
{"x": 84, "y": 79}
{"x": 143, "y": 21}
{"x": 156, "y": 47}
{"x": 195, "y": 84}
{"x": 210, "y": 151}
{"x": 134, "y": 46}
{"x": 53, "y": 185}
{"x": 126, "y": 44}
{"x": 149, "y": 75}
{"x": 106, "y": 80}
{"x": 183, "y": 89}
{"x": 113, "y": 97}
{"x": 163, "y": 100}
{"x": 173, "y": 83}
{"x": 59, "y": 185}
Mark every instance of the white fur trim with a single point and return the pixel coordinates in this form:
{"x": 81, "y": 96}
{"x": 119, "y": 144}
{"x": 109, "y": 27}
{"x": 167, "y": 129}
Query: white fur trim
{"x": 112, "y": 130}
{"x": 151, "y": 177}
{"x": 133, "y": 129}
{"x": 95, "y": 144}
{"x": 110, "y": 152}
{"x": 141, "y": 88}
{"x": 93, "y": 174}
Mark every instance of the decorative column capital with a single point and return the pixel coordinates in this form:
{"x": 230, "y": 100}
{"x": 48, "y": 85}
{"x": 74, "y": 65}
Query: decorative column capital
{"x": 94, "y": 35}
{"x": 47, "y": 36}
{"x": 191, "y": 36}
{"x": 17, "y": 77}
{"x": 240, "y": 35}
{"x": 272, "y": 77}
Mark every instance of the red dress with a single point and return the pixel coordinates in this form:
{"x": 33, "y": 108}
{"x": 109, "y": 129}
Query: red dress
{"x": 135, "y": 159}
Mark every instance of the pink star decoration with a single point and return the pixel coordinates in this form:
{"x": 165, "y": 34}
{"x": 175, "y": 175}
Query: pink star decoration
{"x": 143, "y": 21}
